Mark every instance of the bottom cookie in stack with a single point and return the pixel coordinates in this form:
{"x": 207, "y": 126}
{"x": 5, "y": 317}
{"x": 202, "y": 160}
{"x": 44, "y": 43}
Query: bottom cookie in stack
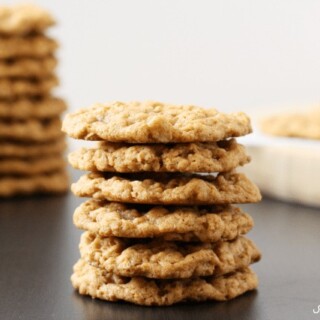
{"x": 100, "y": 284}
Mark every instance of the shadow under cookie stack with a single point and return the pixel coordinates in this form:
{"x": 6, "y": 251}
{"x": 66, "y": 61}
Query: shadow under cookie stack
{"x": 31, "y": 141}
{"x": 160, "y": 227}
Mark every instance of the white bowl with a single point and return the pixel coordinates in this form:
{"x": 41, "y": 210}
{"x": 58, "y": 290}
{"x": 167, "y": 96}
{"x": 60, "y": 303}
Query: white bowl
{"x": 285, "y": 168}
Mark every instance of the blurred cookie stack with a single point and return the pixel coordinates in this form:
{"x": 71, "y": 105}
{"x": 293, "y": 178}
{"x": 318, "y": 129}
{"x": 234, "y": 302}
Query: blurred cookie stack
{"x": 31, "y": 141}
{"x": 160, "y": 227}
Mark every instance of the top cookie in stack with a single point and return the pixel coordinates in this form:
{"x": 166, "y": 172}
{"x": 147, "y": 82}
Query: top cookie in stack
{"x": 31, "y": 142}
{"x": 161, "y": 174}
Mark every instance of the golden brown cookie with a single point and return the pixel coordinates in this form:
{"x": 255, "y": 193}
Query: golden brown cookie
{"x": 31, "y": 166}
{"x": 190, "y": 157}
{"x": 16, "y": 149}
{"x": 34, "y": 46}
{"x": 31, "y": 130}
{"x": 24, "y": 108}
{"x": 160, "y": 188}
{"x": 28, "y": 67}
{"x": 22, "y": 19}
{"x": 299, "y": 125}
{"x": 154, "y": 122}
{"x": 16, "y": 87}
{"x": 205, "y": 224}
{"x": 55, "y": 182}
{"x": 97, "y": 283}
{"x": 160, "y": 259}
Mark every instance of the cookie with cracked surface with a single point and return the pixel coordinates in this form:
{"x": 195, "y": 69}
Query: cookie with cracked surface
{"x": 300, "y": 125}
{"x": 205, "y": 224}
{"x": 23, "y": 108}
{"x": 55, "y": 182}
{"x": 191, "y": 157}
{"x": 16, "y": 149}
{"x": 160, "y": 259}
{"x": 35, "y": 46}
{"x": 97, "y": 283}
{"x": 22, "y": 19}
{"x": 154, "y": 122}
{"x": 31, "y": 129}
{"x": 31, "y": 166}
{"x": 166, "y": 189}
{"x": 28, "y": 67}
{"x": 16, "y": 87}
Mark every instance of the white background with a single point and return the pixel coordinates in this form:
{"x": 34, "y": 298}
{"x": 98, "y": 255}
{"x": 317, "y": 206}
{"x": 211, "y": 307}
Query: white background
{"x": 233, "y": 55}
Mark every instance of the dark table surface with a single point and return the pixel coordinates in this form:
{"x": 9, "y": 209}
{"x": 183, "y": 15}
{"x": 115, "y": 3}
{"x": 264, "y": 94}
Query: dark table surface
{"x": 39, "y": 245}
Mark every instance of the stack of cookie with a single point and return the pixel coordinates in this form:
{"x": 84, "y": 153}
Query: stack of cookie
{"x": 31, "y": 141}
{"x": 160, "y": 226}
